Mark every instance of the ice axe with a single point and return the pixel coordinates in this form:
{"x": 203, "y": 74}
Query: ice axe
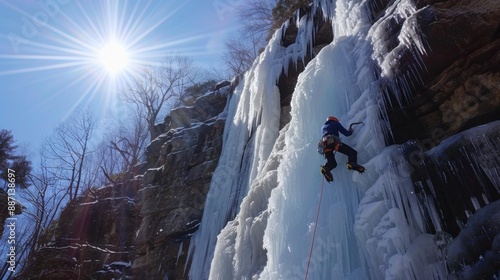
{"x": 356, "y": 123}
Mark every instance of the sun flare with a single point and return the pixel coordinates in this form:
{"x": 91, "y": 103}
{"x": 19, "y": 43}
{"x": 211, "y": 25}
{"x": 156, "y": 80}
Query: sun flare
{"x": 113, "y": 57}
{"x": 99, "y": 48}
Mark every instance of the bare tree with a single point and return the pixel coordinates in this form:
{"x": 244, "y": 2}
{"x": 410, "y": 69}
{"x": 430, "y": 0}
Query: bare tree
{"x": 42, "y": 201}
{"x": 68, "y": 153}
{"x": 157, "y": 88}
{"x": 68, "y": 164}
{"x": 131, "y": 140}
{"x": 124, "y": 144}
{"x": 45, "y": 197}
{"x": 239, "y": 55}
{"x": 255, "y": 17}
{"x": 259, "y": 20}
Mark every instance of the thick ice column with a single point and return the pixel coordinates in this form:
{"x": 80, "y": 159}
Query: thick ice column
{"x": 250, "y": 133}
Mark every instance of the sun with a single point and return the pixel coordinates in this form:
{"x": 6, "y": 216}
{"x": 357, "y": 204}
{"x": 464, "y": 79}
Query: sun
{"x": 113, "y": 56}
{"x": 98, "y": 48}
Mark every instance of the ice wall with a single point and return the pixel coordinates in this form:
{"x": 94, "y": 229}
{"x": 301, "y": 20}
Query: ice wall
{"x": 250, "y": 133}
{"x": 370, "y": 226}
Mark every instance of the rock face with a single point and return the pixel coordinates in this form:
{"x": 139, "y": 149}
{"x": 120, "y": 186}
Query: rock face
{"x": 452, "y": 88}
{"x": 140, "y": 229}
{"x": 93, "y": 230}
{"x": 458, "y": 76}
{"x": 174, "y": 192}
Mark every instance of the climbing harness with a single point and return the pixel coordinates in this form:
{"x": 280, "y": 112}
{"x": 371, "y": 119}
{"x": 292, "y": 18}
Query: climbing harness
{"x": 315, "y": 225}
{"x": 329, "y": 140}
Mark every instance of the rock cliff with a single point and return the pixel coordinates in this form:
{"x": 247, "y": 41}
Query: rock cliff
{"x": 453, "y": 88}
{"x": 181, "y": 161}
{"x": 454, "y": 85}
{"x": 92, "y": 239}
{"x": 140, "y": 228}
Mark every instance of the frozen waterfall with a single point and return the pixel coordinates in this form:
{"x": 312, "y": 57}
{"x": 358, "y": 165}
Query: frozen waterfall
{"x": 261, "y": 207}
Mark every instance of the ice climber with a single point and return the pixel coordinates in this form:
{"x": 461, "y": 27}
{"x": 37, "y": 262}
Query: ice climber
{"x": 330, "y": 143}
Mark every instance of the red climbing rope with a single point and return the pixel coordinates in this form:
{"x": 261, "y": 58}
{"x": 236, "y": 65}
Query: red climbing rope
{"x": 314, "y": 231}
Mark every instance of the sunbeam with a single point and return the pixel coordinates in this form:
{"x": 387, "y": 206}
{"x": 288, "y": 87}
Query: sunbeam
{"x": 99, "y": 46}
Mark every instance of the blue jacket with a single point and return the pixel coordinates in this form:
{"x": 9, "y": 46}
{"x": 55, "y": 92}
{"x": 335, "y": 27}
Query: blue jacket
{"x": 333, "y": 127}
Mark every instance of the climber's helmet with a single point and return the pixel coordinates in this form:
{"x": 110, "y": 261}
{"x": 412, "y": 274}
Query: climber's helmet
{"x": 332, "y": 118}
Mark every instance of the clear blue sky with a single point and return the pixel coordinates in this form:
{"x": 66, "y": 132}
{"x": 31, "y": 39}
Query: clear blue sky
{"x": 49, "y": 52}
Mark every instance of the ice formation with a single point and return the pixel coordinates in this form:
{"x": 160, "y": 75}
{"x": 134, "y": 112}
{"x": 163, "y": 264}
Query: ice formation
{"x": 261, "y": 208}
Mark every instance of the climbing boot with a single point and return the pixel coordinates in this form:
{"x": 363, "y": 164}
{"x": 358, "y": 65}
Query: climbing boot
{"x": 355, "y": 166}
{"x": 328, "y": 175}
